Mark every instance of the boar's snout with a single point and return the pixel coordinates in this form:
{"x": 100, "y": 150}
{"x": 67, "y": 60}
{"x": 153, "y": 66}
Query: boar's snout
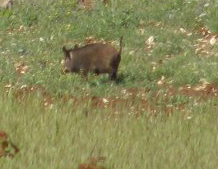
{"x": 64, "y": 70}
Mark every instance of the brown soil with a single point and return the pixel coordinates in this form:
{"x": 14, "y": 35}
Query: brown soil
{"x": 135, "y": 100}
{"x": 7, "y": 148}
{"x": 92, "y": 163}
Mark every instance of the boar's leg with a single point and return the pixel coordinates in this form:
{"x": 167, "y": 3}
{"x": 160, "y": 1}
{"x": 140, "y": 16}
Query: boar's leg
{"x": 114, "y": 65}
{"x": 96, "y": 71}
{"x": 113, "y": 75}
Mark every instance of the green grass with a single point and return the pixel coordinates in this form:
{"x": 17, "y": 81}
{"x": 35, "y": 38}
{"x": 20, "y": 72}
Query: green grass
{"x": 145, "y": 128}
{"x": 62, "y": 138}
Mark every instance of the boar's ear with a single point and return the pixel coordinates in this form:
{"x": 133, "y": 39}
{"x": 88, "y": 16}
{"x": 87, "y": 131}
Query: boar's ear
{"x": 66, "y": 52}
{"x": 64, "y": 49}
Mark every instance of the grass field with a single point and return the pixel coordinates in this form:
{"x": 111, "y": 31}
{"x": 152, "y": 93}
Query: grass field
{"x": 162, "y": 113}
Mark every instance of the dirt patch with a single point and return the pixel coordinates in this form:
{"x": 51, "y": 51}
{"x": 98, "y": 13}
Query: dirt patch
{"x": 136, "y": 101}
{"x": 7, "y": 148}
{"x": 88, "y": 4}
{"x": 205, "y": 45}
{"x": 93, "y": 163}
{"x": 21, "y": 68}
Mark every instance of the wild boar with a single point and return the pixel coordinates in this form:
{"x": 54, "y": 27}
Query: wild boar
{"x": 98, "y": 58}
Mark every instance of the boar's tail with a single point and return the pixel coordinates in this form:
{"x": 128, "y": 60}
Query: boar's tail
{"x": 121, "y": 44}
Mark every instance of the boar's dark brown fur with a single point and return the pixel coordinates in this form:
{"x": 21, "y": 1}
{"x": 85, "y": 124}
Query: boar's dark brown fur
{"x": 97, "y": 58}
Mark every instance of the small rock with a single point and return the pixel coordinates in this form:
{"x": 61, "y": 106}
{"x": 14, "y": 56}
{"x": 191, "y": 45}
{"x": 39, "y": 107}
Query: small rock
{"x": 6, "y": 4}
{"x": 213, "y": 40}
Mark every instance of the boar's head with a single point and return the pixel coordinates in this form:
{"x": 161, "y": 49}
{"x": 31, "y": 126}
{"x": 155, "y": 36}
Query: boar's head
{"x": 67, "y": 63}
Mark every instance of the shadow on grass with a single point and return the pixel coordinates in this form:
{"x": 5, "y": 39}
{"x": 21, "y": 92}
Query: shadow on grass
{"x": 123, "y": 79}
{"x": 104, "y": 80}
